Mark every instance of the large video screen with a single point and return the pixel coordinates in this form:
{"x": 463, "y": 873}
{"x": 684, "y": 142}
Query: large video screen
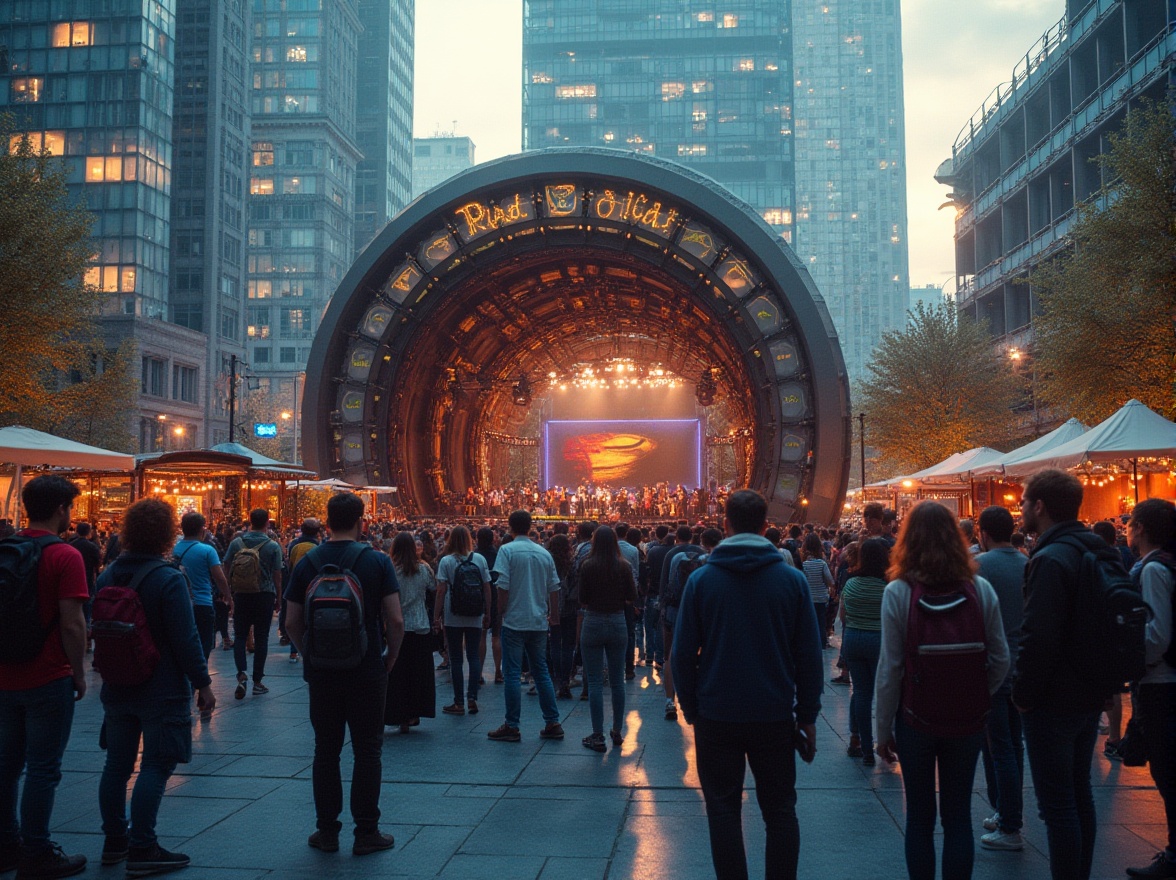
{"x": 623, "y": 453}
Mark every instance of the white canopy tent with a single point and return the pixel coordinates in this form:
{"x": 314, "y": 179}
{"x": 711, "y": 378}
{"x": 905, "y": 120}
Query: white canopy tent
{"x": 1043, "y": 444}
{"x": 952, "y": 467}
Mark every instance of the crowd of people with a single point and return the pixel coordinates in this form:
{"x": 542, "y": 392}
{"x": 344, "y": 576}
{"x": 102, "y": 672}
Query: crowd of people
{"x": 959, "y": 640}
{"x": 607, "y": 503}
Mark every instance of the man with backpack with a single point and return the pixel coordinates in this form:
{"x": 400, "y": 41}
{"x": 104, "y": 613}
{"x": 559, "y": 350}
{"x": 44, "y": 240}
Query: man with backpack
{"x": 148, "y": 680}
{"x": 683, "y": 543}
{"x": 343, "y": 608}
{"x": 42, "y": 645}
{"x": 306, "y": 541}
{"x": 681, "y": 566}
{"x": 202, "y": 565}
{"x": 1058, "y": 697}
{"x": 254, "y": 564}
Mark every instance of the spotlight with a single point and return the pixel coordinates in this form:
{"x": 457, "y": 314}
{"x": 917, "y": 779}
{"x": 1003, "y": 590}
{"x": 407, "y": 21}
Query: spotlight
{"x": 705, "y": 390}
{"x": 521, "y": 392}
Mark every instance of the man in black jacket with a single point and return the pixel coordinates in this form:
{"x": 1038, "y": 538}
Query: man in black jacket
{"x": 1059, "y": 709}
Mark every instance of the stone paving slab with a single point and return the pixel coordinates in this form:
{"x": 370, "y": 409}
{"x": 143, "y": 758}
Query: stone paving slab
{"x": 461, "y": 806}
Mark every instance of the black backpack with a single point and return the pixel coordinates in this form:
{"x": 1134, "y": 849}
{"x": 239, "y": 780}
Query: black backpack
{"x": 336, "y": 637}
{"x": 1109, "y": 618}
{"x": 22, "y": 635}
{"x": 466, "y": 597}
{"x": 692, "y": 561}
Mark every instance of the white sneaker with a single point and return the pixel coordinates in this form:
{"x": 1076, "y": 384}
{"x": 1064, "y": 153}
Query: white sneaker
{"x": 992, "y": 823}
{"x": 1009, "y": 841}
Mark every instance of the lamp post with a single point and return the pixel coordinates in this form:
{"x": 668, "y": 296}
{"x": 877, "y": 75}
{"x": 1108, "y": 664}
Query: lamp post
{"x": 862, "y": 449}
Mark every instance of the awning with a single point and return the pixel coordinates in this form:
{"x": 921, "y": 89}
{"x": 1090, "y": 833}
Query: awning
{"x": 30, "y": 448}
{"x": 1055, "y": 438}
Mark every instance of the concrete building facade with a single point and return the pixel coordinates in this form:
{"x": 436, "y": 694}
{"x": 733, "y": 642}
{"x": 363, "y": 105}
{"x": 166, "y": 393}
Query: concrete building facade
{"x": 436, "y": 159}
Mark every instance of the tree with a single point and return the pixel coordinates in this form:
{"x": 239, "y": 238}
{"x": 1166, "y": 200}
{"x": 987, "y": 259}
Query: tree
{"x": 1107, "y": 328}
{"x": 936, "y": 388}
{"x": 48, "y": 326}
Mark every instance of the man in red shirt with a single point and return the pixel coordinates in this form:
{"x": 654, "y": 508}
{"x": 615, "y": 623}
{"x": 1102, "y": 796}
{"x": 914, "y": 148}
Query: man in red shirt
{"x": 37, "y": 697}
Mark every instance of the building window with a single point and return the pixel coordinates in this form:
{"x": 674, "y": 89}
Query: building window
{"x": 154, "y": 377}
{"x": 77, "y": 33}
{"x": 582, "y": 90}
{"x": 261, "y": 186}
{"x": 296, "y": 54}
{"x": 705, "y": 17}
{"x": 730, "y": 20}
{"x": 52, "y": 142}
{"x": 745, "y": 64}
{"x": 672, "y": 90}
{"x": 701, "y": 87}
{"x": 184, "y": 383}
{"x": 228, "y": 324}
{"x": 263, "y": 154}
{"x": 26, "y": 89}
{"x": 261, "y": 289}
{"x": 287, "y": 355}
{"x": 294, "y": 322}
{"x": 261, "y": 355}
{"x": 777, "y": 216}
{"x": 541, "y": 78}
{"x": 691, "y": 149}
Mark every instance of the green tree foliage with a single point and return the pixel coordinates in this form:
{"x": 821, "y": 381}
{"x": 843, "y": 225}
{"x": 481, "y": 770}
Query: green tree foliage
{"x": 48, "y": 329}
{"x": 936, "y": 388}
{"x": 1107, "y": 328}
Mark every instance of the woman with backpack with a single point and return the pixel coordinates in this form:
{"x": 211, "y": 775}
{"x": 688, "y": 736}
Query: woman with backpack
{"x": 563, "y": 637}
{"x": 820, "y": 579}
{"x": 606, "y": 584}
{"x": 943, "y": 655}
{"x": 412, "y": 690}
{"x": 861, "y": 638}
{"x": 463, "y": 609}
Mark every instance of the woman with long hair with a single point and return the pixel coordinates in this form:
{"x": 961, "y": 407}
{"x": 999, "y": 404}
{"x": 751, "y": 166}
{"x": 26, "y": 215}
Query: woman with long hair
{"x": 485, "y": 546}
{"x": 820, "y": 579}
{"x": 563, "y": 637}
{"x": 412, "y": 690}
{"x": 606, "y": 585}
{"x": 934, "y": 688}
{"x": 861, "y": 638}
{"x": 458, "y": 567}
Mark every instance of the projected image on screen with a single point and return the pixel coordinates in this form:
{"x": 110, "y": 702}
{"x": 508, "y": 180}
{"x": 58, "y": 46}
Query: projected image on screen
{"x": 623, "y": 453}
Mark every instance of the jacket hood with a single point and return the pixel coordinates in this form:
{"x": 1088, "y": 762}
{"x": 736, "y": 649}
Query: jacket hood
{"x": 745, "y": 552}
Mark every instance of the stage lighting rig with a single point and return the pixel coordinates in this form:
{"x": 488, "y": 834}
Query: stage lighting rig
{"x": 521, "y": 392}
{"x": 705, "y": 390}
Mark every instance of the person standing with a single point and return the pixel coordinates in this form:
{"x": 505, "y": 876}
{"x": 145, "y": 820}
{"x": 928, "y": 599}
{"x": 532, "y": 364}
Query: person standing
{"x": 150, "y": 722}
{"x": 38, "y": 688}
{"x": 1059, "y": 707}
{"x": 83, "y": 542}
{"x": 254, "y": 563}
{"x": 308, "y": 538}
{"x": 412, "y": 688}
{"x": 463, "y": 572}
{"x": 820, "y": 580}
{"x": 528, "y": 598}
{"x": 655, "y": 555}
{"x": 748, "y": 609}
{"x": 861, "y": 636}
{"x": 1004, "y": 750}
{"x": 932, "y": 703}
{"x": 668, "y": 597}
{"x": 202, "y": 564}
{"x": 350, "y": 701}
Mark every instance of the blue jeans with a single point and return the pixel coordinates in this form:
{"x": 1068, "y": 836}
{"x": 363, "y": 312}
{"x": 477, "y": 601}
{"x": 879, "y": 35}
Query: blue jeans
{"x": 1004, "y": 760}
{"x": 165, "y": 728}
{"x": 921, "y": 754}
{"x": 820, "y": 608}
{"x": 653, "y": 633}
{"x": 860, "y": 649}
{"x": 472, "y": 636}
{"x": 603, "y": 637}
{"x": 516, "y": 642}
{"x": 34, "y": 730}
{"x": 1060, "y": 749}
{"x": 563, "y": 649}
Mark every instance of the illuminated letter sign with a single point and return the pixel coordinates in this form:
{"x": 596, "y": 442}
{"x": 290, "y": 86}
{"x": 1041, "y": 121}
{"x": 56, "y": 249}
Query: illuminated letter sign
{"x": 265, "y": 429}
{"x": 477, "y": 219}
{"x": 402, "y": 281}
{"x": 562, "y": 200}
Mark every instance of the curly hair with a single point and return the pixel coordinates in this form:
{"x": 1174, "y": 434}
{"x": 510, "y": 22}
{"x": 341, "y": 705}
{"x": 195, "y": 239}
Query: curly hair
{"x": 931, "y": 548}
{"x": 149, "y": 528}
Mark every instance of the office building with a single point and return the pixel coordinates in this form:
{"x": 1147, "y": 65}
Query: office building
{"x": 96, "y": 88}
{"x": 1022, "y": 162}
{"x": 383, "y": 115}
{"x": 851, "y": 218}
{"x": 930, "y": 296}
{"x": 436, "y": 159}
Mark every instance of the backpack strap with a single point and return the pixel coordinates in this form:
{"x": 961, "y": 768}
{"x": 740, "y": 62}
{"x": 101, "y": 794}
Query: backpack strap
{"x": 356, "y": 550}
{"x": 180, "y": 558}
{"x": 145, "y": 570}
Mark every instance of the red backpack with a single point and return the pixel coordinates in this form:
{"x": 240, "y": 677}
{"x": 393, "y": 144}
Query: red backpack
{"x": 124, "y": 651}
{"x": 945, "y": 680}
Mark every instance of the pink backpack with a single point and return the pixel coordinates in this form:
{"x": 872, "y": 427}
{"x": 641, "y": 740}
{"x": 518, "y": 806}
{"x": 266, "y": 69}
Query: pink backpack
{"x": 945, "y": 681}
{"x": 124, "y": 651}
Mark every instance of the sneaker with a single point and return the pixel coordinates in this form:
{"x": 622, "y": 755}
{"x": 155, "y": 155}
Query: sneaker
{"x": 554, "y": 730}
{"x": 594, "y": 741}
{"x": 1111, "y": 751}
{"x": 259, "y": 689}
{"x": 242, "y": 680}
{"x": 1010, "y": 841}
{"x": 473, "y": 707}
{"x": 294, "y": 657}
{"x": 373, "y": 842}
{"x": 840, "y": 679}
{"x": 51, "y": 863}
{"x": 454, "y": 709}
{"x": 1160, "y": 866}
{"x": 504, "y": 734}
{"x": 325, "y": 841}
{"x": 671, "y": 711}
{"x": 992, "y": 823}
{"x": 115, "y": 850}
{"x": 565, "y": 693}
{"x": 143, "y": 861}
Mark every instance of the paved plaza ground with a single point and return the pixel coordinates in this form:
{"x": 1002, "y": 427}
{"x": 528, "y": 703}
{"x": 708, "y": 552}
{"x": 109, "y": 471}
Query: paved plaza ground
{"x": 462, "y": 806}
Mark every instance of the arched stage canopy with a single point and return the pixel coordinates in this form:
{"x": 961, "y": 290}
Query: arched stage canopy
{"x": 528, "y": 264}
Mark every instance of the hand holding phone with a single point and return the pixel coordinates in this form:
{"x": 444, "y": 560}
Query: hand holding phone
{"x": 806, "y": 742}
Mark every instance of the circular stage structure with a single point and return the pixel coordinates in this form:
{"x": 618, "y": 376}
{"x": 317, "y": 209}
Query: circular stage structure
{"x": 517, "y": 269}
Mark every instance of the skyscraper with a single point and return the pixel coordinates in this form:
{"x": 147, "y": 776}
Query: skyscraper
{"x": 851, "y": 227}
{"x": 383, "y": 115}
{"x": 438, "y": 158}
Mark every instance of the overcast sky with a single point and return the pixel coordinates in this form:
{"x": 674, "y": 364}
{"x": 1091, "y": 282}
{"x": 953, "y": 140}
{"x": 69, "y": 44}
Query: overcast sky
{"x": 469, "y": 72}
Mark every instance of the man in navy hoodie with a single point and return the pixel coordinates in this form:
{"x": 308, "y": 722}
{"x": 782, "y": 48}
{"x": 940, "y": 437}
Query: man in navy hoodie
{"x": 748, "y": 668}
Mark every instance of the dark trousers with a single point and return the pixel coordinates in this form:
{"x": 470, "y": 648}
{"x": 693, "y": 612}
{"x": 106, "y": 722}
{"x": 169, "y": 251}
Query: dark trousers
{"x": 1157, "y": 712}
{"x": 954, "y": 757}
{"x": 821, "y": 608}
{"x": 723, "y": 751}
{"x": 340, "y": 703}
{"x": 256, "y": 610}
{"x": 1060, "y": 749}
{"x": 1004, "y": 760}
{"x": 563, "y": 649}
{"x": 471, "y": 636}
{"x": 205, "y": 626}
{"x": 221, "y": 614}
{"x": 630, "y": 640}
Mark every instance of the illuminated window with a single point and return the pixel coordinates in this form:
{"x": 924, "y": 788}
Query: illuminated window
{"x": 65, "y": 34}
{"x": 261, "y": 289}
{"x": 701, "y": 86}
{"x": 777, "y": 216}
{"x": 730, "y": 20}
{"x": 126, "y": 282}
{"x": 51, "y": 141}
{"x": 691, "y": 149}
{"x": 296, "y": 54}
{"x": 672, "y": 90}
{"x": 263, "y": 154}
{"x": 26, "y": 89}
{"x": 261, "y": 186}
{"x": 93, "y": 276}
{"x": 699, "y": 113}
{"x": 110, "y": 279}
{"x": 706, "y": 16}
{"x": 745, "y": 64}
{"x": 585, "y": 90}
{"x": 95, "y": 169}
{"x": 541, "y": 78}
